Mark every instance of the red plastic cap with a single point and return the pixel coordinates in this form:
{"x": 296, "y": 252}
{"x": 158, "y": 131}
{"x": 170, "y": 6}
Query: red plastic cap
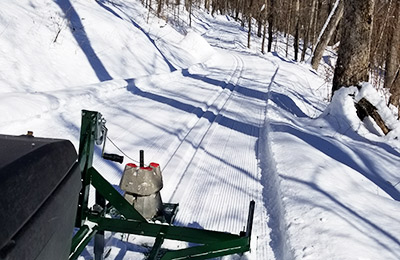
{"x": 146, "y": 168}
{"x": 131, "y": 165}
{"x": 155, "y": 165}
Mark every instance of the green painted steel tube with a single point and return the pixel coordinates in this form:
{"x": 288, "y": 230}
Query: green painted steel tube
{"x": 213, "y": 243}
{"x": 85, "y": 160}
{"x": 188, "y": 234}
{"x": 75, "y": 254}
{"x": 78, "y": 237}
{"x": 216, "y": 249}
{"x": 156, "y": 247}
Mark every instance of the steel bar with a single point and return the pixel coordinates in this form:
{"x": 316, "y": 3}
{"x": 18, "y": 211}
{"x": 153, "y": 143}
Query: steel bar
{"x": 208, "y": 251}
{"x": 188, "y": 234}
{"x": 78, "y": 237}
{"x": 156, "y": 247}
{"x": 75, "y": 253}
{"x": 85, "y": 159}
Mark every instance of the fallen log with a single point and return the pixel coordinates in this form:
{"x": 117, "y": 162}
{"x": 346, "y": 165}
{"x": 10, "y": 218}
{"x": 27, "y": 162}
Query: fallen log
{"x": 365, "y": 108}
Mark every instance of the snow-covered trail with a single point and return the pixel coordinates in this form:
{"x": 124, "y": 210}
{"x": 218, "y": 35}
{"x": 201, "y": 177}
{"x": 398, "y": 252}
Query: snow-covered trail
{"x": 221, "y": 173}
{"x": 203, "y": 124}
{"x": 205, "y": 133}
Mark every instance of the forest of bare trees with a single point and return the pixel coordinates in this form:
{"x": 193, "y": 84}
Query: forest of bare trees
{"x": 309, "y": 26}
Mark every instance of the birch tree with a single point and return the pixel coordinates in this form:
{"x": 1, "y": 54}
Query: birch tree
{"x": 327, "y": 32}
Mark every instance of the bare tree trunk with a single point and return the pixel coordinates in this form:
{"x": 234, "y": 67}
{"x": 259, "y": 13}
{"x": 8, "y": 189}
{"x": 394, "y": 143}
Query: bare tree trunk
{"x": 250, "y": 16}
{"x": 392, "y": 76}
{"x": 297, "y": 29}
{"x": 354, "y": 51}
{"x": 249, "y": 32}
{"x": 264, "y": 26}
{"x": 393, "y": 57}
{"x": 308, "y": 30}
{"x": 243, "y": 12}
{"x": 259, "y": 28}
{"x": 190, "y": 12}
{"x": 237, "y": 2}
{"x": 271, "y": 18}
{"x": 395, "y": 92}
{"x": 326, "y": 33}
{"x": 159, "y": 7}
{"x": 207, "y": 5}
{"x": 383, "y": 29}
{"x": 316, "y": 20}
{"x": 288, "y": 30}
{"x": 213, "y": 7}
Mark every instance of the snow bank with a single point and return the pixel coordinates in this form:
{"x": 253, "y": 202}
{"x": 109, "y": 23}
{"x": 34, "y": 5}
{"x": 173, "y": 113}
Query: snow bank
{"x": 197, "y": 46}
{"x": 342, "y": 113}
{"x": 339, "y": 176}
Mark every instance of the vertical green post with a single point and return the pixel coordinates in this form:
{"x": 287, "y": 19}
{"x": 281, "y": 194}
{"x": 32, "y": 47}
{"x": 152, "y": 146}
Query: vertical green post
{"x": 85, "y": 160}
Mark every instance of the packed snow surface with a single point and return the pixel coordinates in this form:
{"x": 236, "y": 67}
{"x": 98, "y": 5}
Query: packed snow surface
{"x": 226, "y": 123}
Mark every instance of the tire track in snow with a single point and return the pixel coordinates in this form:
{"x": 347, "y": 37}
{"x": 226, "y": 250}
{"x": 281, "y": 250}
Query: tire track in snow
{"x": 194, "y": 166}
{"x": 183, "y": 156}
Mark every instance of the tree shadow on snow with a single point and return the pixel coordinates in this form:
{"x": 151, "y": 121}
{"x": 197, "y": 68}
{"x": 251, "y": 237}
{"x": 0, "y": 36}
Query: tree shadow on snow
{"x": 369, "y": 224}
{"x": 101, "y": 3}
{"x": 78, "y": 31}
{"x": 224, "y": 85}
{"x": 231, "y": 123}
{"x": 333, "y": 150}
{"x": 286, "y": 103}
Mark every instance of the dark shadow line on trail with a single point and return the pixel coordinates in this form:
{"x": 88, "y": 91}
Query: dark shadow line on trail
{"x": 286, "y": 103}
{"x": 170, "y": 66}
{"x": 233, "y": 124}
{"x": 101, "y": 3}
{"x": 78, "y": 31}
{"x": 225, "y": 85}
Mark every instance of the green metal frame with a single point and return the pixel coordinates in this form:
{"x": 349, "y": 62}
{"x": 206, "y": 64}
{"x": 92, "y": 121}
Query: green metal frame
{"x": 209, "y": 244}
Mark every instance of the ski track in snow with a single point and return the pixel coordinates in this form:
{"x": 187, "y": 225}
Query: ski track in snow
{"x": 193, "y": 140}
{"x": 216, "y": 187}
